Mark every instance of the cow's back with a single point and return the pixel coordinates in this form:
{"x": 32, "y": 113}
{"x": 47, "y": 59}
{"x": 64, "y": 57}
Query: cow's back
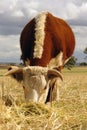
{"x": 68, "y": 36}
{"x": 58, "y": 38}
{"x": 61, "y": 34}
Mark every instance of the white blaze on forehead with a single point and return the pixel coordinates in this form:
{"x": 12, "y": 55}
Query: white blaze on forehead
{"x": 35, "y": 70}
{"x": 39, "y": 34}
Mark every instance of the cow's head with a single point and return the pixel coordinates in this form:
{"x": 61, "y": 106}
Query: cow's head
{"x": 35, "y": 81}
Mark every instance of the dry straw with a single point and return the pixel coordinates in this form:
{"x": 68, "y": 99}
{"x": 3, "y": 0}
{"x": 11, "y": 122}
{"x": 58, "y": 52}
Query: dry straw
{"x": 70, "y": 113}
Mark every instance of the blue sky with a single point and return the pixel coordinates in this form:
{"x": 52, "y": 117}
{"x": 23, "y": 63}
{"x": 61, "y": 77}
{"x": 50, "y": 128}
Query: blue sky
{"x": 14, "y": 14}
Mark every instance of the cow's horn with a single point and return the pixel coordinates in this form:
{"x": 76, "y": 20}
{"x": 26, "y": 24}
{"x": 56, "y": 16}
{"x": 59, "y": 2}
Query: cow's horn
{"x": 12, "y": 70}
{"x": 54, "y": 73}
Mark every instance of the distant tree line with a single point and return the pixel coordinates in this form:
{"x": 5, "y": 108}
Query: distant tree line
{"x": 84, "y": 63}
{"x": 73, "y": 61}
{"x": 85, "y": 52}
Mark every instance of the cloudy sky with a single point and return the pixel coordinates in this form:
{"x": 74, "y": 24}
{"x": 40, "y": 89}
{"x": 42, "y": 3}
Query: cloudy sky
{"x": 14, "y": 14}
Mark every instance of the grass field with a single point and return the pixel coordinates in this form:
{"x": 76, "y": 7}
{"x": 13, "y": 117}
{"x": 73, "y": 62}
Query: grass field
{"x": 70, "y": 113}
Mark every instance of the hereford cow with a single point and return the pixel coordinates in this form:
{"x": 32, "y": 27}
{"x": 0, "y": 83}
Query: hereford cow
{"x": 40, "y": 84}
{"x": 47, "y": 41}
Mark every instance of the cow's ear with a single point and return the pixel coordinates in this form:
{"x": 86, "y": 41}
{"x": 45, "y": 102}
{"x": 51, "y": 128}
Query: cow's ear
{"x": 15, "y": 72}
{"x": 52, "y": 73}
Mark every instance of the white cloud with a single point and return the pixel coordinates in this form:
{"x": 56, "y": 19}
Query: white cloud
{"x": 10, "y": 48}
{"x": 71, "y": 11}
{"x": 28, "y": 8}
{"x": 83, "y": 11}
{"x": 81, "y": 37}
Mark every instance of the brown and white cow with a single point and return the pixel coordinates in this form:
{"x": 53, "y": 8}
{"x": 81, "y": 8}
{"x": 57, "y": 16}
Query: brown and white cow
{"x": 40, "y": 84}
{"x": 47, "y": 41}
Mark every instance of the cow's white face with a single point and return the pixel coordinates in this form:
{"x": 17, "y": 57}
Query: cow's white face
{"x": 35, "y": 84}
{"x": 36, "y": 81}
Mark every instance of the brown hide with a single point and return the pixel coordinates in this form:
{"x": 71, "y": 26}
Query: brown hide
{"x": 58, "y": 37}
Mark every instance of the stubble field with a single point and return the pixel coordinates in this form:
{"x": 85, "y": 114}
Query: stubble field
{"x": 70, "y": 113}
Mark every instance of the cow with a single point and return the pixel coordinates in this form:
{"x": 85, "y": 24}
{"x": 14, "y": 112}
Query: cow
{"x": 38, "y": 82}
{"x": 47, "y": 41}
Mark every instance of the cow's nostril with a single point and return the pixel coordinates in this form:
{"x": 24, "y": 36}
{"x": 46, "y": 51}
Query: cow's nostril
{"x": 23, "y": 87}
